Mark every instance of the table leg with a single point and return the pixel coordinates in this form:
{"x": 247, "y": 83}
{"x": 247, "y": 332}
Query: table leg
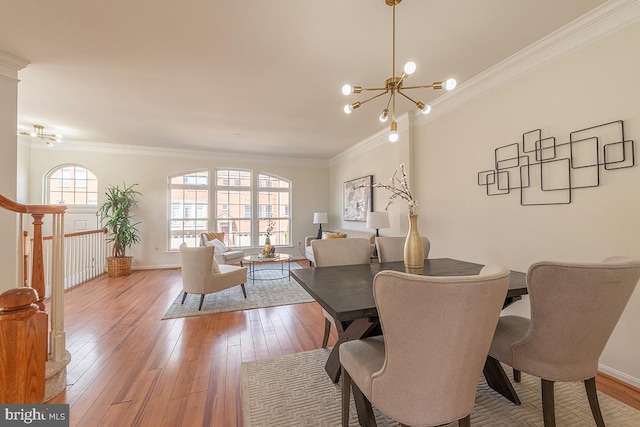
{"x": 497, "y": 379}
{"x": 359, "y": 328}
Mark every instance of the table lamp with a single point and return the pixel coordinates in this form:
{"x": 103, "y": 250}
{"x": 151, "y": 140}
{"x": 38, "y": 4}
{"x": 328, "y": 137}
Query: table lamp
{"x": 320, "y": 218}
{"x": 377, "y": 220}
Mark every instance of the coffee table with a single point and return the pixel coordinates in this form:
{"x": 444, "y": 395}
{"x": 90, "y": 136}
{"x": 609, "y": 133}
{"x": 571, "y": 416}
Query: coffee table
{"x": 254, "y": 259}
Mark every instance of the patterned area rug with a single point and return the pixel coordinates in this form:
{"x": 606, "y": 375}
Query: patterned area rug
{"x": 294, "y": 391}
{"x": 268, "y": 290}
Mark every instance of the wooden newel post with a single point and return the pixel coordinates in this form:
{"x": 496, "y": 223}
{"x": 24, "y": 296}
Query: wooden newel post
{"x": 37, "y": 266}
{"x": 23, "y": 347}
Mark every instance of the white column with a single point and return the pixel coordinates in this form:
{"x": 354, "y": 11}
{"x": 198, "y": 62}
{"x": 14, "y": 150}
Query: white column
{"x": 10, "y": 250}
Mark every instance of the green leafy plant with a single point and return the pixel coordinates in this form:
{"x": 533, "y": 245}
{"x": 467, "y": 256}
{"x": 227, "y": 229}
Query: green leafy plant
{"x": 118, "y": 210}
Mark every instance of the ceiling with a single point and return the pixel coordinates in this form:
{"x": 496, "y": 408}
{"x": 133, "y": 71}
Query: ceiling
{"x": 248, "y": 76}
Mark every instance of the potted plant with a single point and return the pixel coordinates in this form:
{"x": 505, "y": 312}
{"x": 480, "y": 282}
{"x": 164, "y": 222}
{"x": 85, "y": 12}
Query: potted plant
{"x": 118, "y": 209}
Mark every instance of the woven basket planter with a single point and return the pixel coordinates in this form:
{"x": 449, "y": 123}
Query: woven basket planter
{"x": 119, "y": 267}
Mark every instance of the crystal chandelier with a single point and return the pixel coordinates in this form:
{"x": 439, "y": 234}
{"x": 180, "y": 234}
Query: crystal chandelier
{"x": 38, "y": 132}
{"x": 395, "y": 85}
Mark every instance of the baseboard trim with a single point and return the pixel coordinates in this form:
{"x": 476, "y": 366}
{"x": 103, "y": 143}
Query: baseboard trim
{"x": 618, "y": 389}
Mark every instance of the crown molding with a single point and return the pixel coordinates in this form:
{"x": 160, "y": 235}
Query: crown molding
{"x": 602, "y": 21}
{"x": 139, "y": 150}
{"x": 10, "y": 65}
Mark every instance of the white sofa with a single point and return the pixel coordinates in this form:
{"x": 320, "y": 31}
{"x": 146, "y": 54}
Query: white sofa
{"x": 370, "y": 236}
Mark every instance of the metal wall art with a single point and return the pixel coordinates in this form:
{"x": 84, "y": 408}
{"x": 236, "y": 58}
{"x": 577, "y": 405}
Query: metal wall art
{"x": 546, "y": 172}
{"x": 358, "y": 198}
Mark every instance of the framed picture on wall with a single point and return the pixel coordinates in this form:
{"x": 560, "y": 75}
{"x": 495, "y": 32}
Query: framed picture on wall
{"x": 357, "y": 198}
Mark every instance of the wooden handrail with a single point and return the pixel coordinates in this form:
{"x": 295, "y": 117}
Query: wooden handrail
{"x": 30, "y": 209}
{"x": 80, "y": 233}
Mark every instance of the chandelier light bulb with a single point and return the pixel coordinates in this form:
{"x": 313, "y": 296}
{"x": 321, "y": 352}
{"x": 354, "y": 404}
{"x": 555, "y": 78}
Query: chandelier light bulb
{"x": 348, "y": 109}
{"x": 347, "y": 89}
{"x": 450, "y": 84}
{"x": 410, "y": 67}
{"x": 426, "y": 109}
{"x": 384, "y": 116}
{"x": 393, "y": 136}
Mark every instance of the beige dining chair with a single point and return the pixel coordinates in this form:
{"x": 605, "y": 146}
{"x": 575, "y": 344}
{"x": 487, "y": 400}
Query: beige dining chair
{"x": 334, "y": 252}
{"x": 391, "y": 249}
{"x": 424, "y": 369}
{"x": 574, "y": 308}
{"x": 202, "y": 275}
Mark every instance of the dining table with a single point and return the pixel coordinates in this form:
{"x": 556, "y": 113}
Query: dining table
{"x": 346, "y": 293}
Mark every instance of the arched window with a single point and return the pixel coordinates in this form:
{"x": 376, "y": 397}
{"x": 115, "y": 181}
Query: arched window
{"x": 188, "y": 208}
{"x": 71, "y": 185}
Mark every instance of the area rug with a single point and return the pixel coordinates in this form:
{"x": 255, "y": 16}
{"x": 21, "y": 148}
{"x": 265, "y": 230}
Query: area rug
{"x": 294, "y": 390}
{"x": 269, "y": 291}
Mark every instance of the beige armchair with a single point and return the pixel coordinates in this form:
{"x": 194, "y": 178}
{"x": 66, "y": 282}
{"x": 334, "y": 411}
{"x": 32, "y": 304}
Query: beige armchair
{"x": 223, "y": 254}
{"x": 202, "y": 275}
{"x": 424, "y": 370}
{"x": 574, "y": 308}
{"x": 391, "y": 249}
{"x": 332, "y": 252}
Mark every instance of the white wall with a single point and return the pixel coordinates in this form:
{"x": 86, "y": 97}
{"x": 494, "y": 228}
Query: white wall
{"x": 595, "y": 84}
{"x": 150, "y": 169}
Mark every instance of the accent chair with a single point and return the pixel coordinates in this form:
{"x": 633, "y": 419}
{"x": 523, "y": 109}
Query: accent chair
{"x": 424, "y": 369}
{"x": 202, "y": 275}
{"x": 574, "y": 309}
{"x": 334, "y": 252}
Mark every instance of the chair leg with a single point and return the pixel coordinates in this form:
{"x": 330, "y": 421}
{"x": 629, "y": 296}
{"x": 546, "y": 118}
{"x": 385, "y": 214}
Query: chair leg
{"x": 241, "y": 265}
{"x": 327, "y": 329}
{"x": 244, "y": 291}
{"x": 548, "y": 403}
{"x": 465, "y": 422}
{"x": 363, "y": 407}
{"x": 201, "y": 301}
{"x": 517, "y": 376}
{"x": 590, "y": 386}
{"x": 184, "y": 297}
{"x": 346, "y": 397}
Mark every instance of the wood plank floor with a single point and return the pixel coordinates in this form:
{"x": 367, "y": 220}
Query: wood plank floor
{"x": 129, "y": 368}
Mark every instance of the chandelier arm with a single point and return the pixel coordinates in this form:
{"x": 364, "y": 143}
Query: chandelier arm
{"x": 431, "y": 86}
{"x": 408, "y": 97}
{"x": 373, "y": 97}
{"x": 374, "y": 88}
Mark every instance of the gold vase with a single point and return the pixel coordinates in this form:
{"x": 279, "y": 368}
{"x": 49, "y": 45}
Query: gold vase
{"x": 413, "y": 250}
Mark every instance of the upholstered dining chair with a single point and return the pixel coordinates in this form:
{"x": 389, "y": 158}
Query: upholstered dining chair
{"x": 424, "y": 369}
{"x": 574, "y": 309}
{"x": 391, "y": 249}
{"x": 202, "y": 275}
{"x": 333, "y": 252}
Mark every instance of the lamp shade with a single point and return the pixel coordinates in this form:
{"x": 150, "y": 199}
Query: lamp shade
{"x": 320, "y": 218}
{"x": 377, "y": 220}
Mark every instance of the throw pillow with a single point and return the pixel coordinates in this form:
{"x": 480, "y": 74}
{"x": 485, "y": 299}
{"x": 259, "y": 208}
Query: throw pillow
{"x": 220, "y": 247}
{"x": 336, "y": 236}
{"x": 215, "y": 267}
{"x": 212, "y": 235}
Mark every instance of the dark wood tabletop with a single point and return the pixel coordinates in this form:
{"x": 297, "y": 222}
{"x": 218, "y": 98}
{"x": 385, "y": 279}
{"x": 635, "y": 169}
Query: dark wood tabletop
{"x": 346, "y": 292}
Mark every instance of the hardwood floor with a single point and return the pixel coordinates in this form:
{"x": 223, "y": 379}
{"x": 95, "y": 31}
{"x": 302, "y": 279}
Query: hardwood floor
{"x": 129, "y": 368}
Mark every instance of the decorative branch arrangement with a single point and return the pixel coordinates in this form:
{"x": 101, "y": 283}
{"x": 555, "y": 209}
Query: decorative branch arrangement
{"x": 270, "y": 226}
{"x": 399, "y": 187}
